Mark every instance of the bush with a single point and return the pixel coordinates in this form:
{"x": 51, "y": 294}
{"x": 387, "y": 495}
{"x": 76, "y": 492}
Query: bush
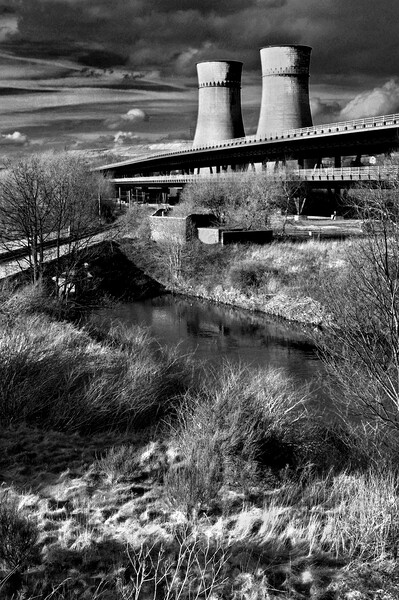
{"x": 222, "y": 431}
{"x": 250, "y": 275}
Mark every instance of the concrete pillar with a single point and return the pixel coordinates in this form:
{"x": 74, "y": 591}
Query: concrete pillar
{"x": 337, "y": 162}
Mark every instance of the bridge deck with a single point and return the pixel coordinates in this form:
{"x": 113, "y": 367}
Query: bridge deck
{"x": 344, "y": 128}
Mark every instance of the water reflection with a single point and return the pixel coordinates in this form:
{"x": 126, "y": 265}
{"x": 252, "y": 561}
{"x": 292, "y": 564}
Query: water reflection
{"x": 217, "y": 332}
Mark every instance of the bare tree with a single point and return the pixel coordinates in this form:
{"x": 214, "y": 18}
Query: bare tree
{"x": 49, "y": 198}
{"x": 236, "y": 199}
{"x": 361, "y": 346}
{"x": 291, "y": 196}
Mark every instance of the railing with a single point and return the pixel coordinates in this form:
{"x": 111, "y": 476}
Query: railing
{"x": 322, "y": 174}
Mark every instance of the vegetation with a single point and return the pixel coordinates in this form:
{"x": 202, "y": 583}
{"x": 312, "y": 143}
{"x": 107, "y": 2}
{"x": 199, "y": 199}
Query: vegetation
{"x": 51, "y": 197}
{"x": 130, "y": 472}
{"x": 285, "y": 278}
{"x": 361, "y": 346}
{"x": 79, "y": 384}
{"x": 245, "y": 200}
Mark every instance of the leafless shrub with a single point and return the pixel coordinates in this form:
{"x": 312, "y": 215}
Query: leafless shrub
{"x": 191, "y": 567}
{"x": 361, "y": 347}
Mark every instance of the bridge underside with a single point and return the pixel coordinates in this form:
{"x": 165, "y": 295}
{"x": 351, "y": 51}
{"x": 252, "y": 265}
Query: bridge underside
{"x": 167, "y": 189}
{"x": 161, "y": 177}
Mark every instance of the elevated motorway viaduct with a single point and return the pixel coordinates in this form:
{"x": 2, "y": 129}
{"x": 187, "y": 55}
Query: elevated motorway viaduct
{"x": 158, "y": 187}
{"x": 374, "y": 135}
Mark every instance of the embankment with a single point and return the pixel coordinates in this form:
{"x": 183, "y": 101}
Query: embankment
{"x": 283, "y": 279}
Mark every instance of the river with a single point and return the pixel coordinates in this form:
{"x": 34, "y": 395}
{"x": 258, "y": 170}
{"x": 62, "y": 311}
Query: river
{"x": 217, "y": 332}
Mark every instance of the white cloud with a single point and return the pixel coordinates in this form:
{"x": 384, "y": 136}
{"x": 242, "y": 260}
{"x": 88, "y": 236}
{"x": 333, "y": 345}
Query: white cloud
{"x": 382, "y": 100}
{"x": 17, "y": 138}
{"x": 124, "y": 137}
{"x": 136, "y": 114}
{"x": 125, "y": 122}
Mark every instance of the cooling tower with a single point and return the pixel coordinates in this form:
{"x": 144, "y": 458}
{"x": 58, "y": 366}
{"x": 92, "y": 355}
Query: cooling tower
{"x": 219, "y": 102}
{"x": 285, "y": 89}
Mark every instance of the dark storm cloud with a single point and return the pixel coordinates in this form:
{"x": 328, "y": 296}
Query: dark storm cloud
{"x": 152, "y": 33}
{"x": 171, "y": 35}
{"x": 6, "y": 7}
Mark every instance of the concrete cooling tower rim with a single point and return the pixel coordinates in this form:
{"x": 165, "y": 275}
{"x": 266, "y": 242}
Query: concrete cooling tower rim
{"x": 203, "y": 62}
{"x": 286, "y": 46}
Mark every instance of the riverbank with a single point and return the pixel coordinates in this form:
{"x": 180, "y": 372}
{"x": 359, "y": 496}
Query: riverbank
{"x": 131, "y": 472}
{"x": 297, "y": 310}
{"x": 284, "y": 279}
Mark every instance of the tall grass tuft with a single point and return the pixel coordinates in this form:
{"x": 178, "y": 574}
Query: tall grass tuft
{"x": 55, "y": 375}
{"x": 364, "y": 523}
{"x": 222, "y": 430}
{"x": 18, "y": 535}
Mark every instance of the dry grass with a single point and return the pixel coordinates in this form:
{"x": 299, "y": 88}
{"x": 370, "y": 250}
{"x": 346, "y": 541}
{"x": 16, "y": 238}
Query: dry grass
{"x": 97, "y": 503}
{"x": 223, "y": 430}
{"x": 80, "y": 384}
{"x": 102, "y": 539}
{"x": 107, "y": 528}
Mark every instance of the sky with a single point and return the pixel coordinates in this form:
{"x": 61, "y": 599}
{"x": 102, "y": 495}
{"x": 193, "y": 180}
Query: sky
{"x": 119, "y": 76}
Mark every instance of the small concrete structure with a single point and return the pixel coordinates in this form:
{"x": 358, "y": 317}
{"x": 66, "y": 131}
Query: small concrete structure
{"x": 209, "y": 235}
{"x": 246, "y": 236}
{"x": 182, "y": 229}
{"x": 220, "y": 235}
